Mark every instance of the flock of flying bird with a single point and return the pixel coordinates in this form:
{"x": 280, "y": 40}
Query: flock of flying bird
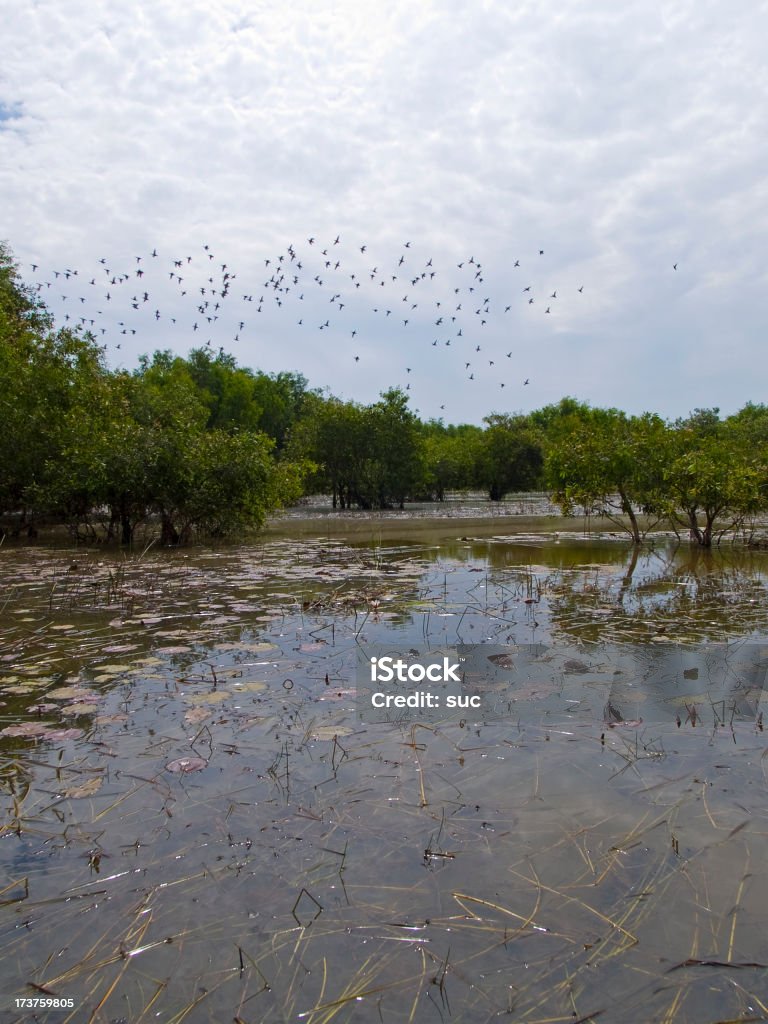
{"x": 359, "y": 302}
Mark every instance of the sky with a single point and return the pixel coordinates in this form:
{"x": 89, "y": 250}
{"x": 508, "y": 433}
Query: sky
{"x": 605, "y": 160}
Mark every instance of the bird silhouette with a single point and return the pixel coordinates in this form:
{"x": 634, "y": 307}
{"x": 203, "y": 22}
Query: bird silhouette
{"x": 348, "y": 292}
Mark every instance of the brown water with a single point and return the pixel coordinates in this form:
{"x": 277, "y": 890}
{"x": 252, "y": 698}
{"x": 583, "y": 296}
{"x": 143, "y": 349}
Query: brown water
{"x": 199, "y": 826}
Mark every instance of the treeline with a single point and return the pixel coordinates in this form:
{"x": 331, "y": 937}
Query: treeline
{"x": 194, "y": 444}
{"x": 201, "y": 445}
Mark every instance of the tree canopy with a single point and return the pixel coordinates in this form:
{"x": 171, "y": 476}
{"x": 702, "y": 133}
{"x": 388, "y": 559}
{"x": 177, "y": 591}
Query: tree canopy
{"x": 198, "y": 444}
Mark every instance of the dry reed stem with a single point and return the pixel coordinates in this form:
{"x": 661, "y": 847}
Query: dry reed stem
{"x": 739, "y": 893}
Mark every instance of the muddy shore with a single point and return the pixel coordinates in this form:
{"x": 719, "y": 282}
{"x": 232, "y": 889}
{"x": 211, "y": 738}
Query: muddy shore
{"x": 376, "y": 528}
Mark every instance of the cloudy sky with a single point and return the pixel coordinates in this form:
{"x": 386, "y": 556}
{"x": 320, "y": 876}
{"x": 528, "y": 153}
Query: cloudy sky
{"x": 596, "y": 144}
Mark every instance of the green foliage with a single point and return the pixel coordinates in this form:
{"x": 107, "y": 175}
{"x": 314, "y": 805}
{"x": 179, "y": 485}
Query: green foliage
{"x": 396, "y": 443}
{"x": 699, "y": 472}
{"x": 549, "y": 417}
{"x": 20, "y": 307}
{"x": 450, "y": 456}
{"x": 201, "y": 444}
{"x": 179, "y": 440}
{"x": 509, "y": 456}
{"x": 607, "y": 462}
{"x": 236, "y": 398}
{"x": 44, "y": 378}
{"x": 370, "y": 456}
{"x": 717, "y": 471}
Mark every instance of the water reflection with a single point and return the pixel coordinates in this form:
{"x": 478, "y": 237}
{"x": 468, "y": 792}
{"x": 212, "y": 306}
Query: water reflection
{"x": 312, "y": 867}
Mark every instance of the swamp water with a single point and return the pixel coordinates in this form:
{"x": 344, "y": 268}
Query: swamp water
{"x": 198, "y": 826}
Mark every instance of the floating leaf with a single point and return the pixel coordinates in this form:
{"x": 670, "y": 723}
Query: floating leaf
{"x": 503, "y": 660}
{"x": 329, "y": 732}
{"x": 196, "y": 715}
{"x": 63, "y": 734}
{"x": 574, "y": 667}
{"x": 25, "y": 729}
{"x": 85, "y": 789}
{"x": 214, "y": 697}
{"x": 78, "y": 708}
{"x": 249, "y": 687}
{"x": 186, "y": 764}
{"x": 73, "y": 693}
{"x": 22, "y": 687}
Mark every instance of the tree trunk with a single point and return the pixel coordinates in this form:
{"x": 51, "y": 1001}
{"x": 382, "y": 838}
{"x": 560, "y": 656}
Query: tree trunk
{"x": 126, "y": 534}
{"x": 626, "y": 582}
{"x": 626, "y": 506}
{"x": 169, "y": 535}
{"x": 701, "y": 537}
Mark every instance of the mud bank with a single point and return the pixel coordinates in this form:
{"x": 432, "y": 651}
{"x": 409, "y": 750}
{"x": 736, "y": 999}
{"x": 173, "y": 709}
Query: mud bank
{"x": 370, "y": 527}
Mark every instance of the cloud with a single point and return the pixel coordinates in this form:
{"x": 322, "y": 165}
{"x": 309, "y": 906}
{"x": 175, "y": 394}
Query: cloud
{"x": 620, "y": 140}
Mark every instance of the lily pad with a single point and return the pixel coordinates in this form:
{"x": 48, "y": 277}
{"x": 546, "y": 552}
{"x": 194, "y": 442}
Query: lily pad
{"x": 214, "y": 697}
{"x": 73, "y": 693}
{"x": 25, "y": 729}
{"x": 330, "y": 732}
{"x": 197, "y": 715}
{"x": 63, "y": 734}
{"x": 85, "y": 789}
{"x": 81, "y": 707}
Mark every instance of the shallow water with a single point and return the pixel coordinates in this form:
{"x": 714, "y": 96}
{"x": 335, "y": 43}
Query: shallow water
{"x": 200, "y": 827}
